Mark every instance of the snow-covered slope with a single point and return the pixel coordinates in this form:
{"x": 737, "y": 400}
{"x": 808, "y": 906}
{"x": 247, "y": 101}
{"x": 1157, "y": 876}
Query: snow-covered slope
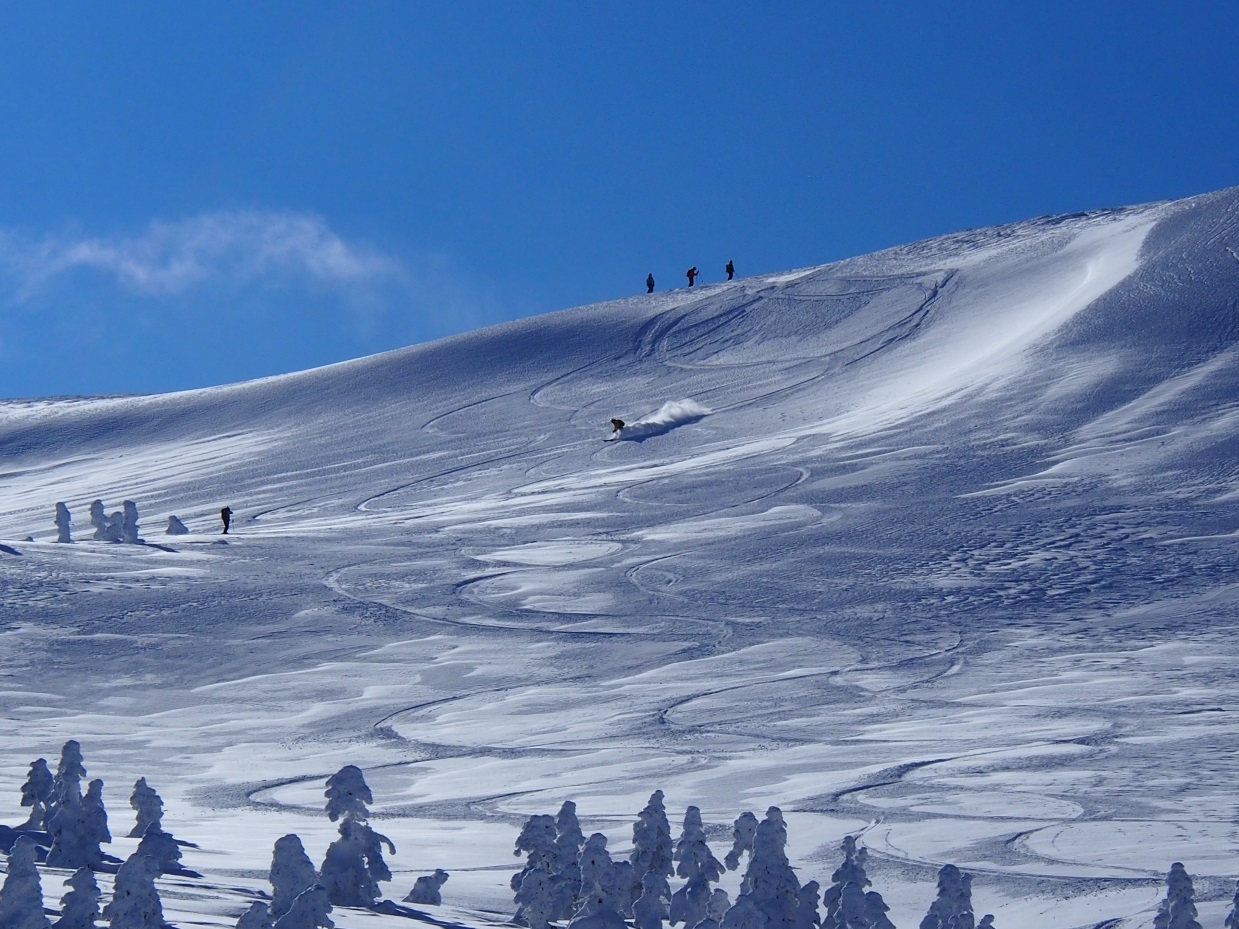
{"x": 935, "y": 545}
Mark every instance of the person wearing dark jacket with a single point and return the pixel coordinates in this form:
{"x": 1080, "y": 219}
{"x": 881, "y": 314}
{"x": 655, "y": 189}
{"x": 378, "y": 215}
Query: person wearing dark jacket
{"x": 692, "y": 275}
{"x": 226, "y": 515}
{"x": 649, "y": 284}
{"x": 730, "y": 269}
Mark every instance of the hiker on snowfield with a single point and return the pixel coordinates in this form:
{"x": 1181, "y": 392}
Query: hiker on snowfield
{"x": 692, "y": 275}
{"x": 730, "y": 269}
{"x": 649, "y": 284}
{"x": 226, "y": 515}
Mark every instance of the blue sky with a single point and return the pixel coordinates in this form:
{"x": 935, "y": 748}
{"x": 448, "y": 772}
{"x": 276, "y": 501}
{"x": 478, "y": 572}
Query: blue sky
{"x": 194, "y": 194}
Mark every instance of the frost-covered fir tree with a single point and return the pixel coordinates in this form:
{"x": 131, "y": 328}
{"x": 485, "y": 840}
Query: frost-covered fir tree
{"x": 310, "y": 910}
{"x": 176, "y": 527}
{"x": 597, "y": 912}
{"x": 652, "y": 849}
{"x": 650, "y": 909}
{"x": 347, "y": 794}
{"x": 292, "y": 872}
{"x": 21, "y": 897}
{"x": 623, "y": 887}
{"x": 769, "y": 879}
{"x": 744, "y": 914}
{"x": 708, "y": 923}
{"x": 426, "y": 889}
{"x": 69, "y": 772}
{"x": 987, "y": 922}
{"x": 256, "y": 917}
{"x": 535, "y": 898}
{"x": 38, "y": 793}
{"x": 75, "y": 832}
{"x": 96, "y": 814}
{"x": 162, "y": 849}
{"x": 876, "y": 910}
{"x": 79, "y": 908}
{"x": 129, "y": 523}
{"x": 720, "y": 903}
{"x": 64, "y": 522}
{"x": 107, "y": 528}
{"x": 953, "y": 906}
{"x": 135, "y": 900}
{"x": 354, "y": 865}
{"x": 537, "y": 841}
{"x": 148, "y": 806}
{"x": 699, "y": 868}
{"x": 1232, "y": 918}
{"x": 354, "y": 862}
{"x": 852, "y": 871}
{"x": 743, "y": 834}
{"x": 1178, "y": 909}
{"x": 807, "y": 916}
{"x": 595, "y": 865}
{"x": 567, "y": 877}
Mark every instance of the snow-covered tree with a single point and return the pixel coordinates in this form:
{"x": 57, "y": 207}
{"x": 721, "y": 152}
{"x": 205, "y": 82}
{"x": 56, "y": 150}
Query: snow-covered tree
{"x": 64, "y": 522}
{"x": 744, "y": 914}
{"x": 347, "y": 795}
{"x": 69, "y": 772}
{"x": 95, "y": 813}
{"x": 652, "y": 848}
{"x": 1178, "y": 909}
{"x": 354, "y": 865}
{"x": 597, "y": 912}
{"x": 623, "y": 887}
{"x": 426, "y": 889}
{"x": 953, "y": 906}
{"x": 567, "y": 876}
{"x": 1232, "y": 918}
{"x": 76, "y": 830}
{"x": 535, "y": 898}
{"x": 135, "y": 900}
{"x": 650, "y": 909}
{"x": 256, "y": 917}
{"x": 310, "y": 910}
{"x": 595, "y": 866}
{"x": 148, "y": 806}
{"x": 807, "y": 916}
{"x": 851, "y": 871}
{"x": 79, "y": 908}
{"x": 21, "y": 897}
{"x": 698, "y": 866}
{"x": 107, "y": 528}
{"x": 176, "y": 527}
{"x": 769, "y": 879}
{"x": 129, "y": 523}
{"x": 987, "y": 922}
{"x": 162, "y": 849}
{"x": 292, "y": 872}
{"x": 720, "y": 903}
{"x": 537, "y": 841}
{"x": 743, "y": 834}
{"x": 38, "y": 793}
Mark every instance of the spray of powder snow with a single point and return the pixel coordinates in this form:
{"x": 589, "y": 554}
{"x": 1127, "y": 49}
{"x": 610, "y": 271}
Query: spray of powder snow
{"x": 671, "y": 414}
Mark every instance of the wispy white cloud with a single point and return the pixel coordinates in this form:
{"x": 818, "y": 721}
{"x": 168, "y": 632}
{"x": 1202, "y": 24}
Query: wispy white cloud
{"x": 235, "y": 247}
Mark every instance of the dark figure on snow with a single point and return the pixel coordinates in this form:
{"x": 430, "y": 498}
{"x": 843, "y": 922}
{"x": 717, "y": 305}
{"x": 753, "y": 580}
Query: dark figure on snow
{"x": 649, "y": 284}
{"x": 730, "y": 269}
{"x": 617, "y": 424}
{"x": 692, "y": 275}
{"x": 226, "y": 515}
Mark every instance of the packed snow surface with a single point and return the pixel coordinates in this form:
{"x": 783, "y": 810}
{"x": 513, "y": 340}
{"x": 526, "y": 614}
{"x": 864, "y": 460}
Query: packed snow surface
{"x": 935, "y": 546}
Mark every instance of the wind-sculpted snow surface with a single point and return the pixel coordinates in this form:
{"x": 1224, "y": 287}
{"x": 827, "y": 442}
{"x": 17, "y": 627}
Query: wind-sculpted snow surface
{"x": 934, "y": 547}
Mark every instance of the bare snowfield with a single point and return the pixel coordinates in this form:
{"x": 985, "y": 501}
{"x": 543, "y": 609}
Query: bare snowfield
{"x": 934, "y": 546}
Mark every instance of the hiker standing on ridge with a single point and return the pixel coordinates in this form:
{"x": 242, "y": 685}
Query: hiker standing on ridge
{"x": 692, "y": 275}
{"x": 730, "y": 269}
{"x": 226, "y": 515}
{"x": 649, "y": 283}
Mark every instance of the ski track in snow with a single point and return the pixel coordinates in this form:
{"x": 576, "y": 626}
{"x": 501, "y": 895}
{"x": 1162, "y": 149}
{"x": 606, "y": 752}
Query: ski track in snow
{"x": 937, "y": 549}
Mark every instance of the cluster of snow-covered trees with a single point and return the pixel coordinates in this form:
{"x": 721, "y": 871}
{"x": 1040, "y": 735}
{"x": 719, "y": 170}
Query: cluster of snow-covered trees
{"x": 67, "y": 827}
{"x": 120, "y": 526}
{"x": 568, "y": 878}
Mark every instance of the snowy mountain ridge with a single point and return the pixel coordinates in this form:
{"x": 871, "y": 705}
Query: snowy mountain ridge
{"x": 936, "y": 550}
